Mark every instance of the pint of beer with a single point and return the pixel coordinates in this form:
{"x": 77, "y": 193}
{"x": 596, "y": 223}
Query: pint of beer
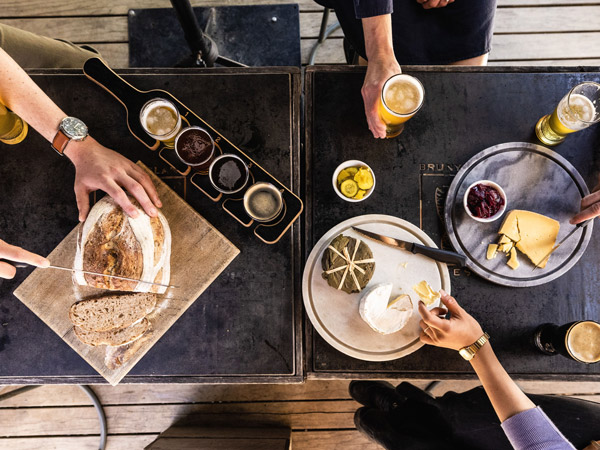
{"x": 161, "y": 120}
{"x": 13, "y": 129}
{"x": 576, "y": 340}
{"x": 579, "y": 109}
{"x": 401, "y": 97}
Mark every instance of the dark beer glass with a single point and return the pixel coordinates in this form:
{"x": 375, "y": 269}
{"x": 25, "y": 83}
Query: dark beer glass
{"x": 579, "y": 341}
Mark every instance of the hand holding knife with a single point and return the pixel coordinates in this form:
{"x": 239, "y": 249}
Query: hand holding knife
{"x": 417, "y": 249}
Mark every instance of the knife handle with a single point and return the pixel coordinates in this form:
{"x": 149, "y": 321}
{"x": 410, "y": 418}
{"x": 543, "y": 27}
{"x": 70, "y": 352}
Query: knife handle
{"x": 440, "y": 255}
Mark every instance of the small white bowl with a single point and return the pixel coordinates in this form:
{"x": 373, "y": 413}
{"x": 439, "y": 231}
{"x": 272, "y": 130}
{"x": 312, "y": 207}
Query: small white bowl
{"x": 344, "y": 165}
{"x": 495, "y": 216}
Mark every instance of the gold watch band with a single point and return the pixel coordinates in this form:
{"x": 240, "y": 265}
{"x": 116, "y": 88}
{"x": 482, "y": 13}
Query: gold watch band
{"x": 470, "y": 351}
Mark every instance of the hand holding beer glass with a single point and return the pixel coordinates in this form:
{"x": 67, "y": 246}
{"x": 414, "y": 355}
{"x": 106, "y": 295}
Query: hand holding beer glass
{"x": 579, "y": 109}
{"x": 401, "y": 97}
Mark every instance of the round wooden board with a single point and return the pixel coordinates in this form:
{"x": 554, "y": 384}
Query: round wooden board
{"x": 334, "y": 314}
{"x": 534, "y": 178}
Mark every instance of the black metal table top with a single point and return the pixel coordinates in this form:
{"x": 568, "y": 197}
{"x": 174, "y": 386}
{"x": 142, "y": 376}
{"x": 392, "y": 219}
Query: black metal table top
{"x": 465, "y": 111}
{"x": 246, "y": 327}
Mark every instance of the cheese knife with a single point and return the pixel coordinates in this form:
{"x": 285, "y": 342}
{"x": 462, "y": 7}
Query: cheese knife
{"x": 577, "y": 227}
{"x": 437, "y": 254}
{"x": 102, "y": 275}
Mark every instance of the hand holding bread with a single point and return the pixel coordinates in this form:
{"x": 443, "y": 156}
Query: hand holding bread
{"x": 97, "y": 167}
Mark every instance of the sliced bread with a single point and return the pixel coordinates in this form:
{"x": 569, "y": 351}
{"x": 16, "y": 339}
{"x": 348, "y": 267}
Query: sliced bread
{"x": 112, "y": 312}
{"x": 113, "y": 337}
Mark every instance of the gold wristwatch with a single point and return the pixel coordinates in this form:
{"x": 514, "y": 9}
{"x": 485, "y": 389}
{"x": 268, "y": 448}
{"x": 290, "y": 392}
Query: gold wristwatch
{"x": 470, "y": 351}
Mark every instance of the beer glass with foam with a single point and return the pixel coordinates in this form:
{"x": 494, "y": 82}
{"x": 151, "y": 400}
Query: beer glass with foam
{"x": 401, "y": 97}
{"x": 161, "y": 120}
{"x": 576, "y": 340}
{"x": 579, "y": 109}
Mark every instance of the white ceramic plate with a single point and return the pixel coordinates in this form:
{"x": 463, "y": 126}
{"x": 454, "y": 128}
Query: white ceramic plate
{"x": 334, "y": 314}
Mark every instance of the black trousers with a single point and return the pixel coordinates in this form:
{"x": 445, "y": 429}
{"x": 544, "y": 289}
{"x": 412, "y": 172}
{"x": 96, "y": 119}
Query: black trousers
{"x": 468, "y": 421}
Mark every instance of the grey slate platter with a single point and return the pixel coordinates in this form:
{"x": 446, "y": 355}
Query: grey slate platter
{"x": 534, "y": 178}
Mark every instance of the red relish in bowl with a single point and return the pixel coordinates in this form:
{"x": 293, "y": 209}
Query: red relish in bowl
{"x": 484, "y": 201}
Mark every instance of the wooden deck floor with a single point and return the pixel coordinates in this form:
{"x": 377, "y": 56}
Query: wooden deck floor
{"x": 320, "y": 413}
{"x": 527, "y": 32}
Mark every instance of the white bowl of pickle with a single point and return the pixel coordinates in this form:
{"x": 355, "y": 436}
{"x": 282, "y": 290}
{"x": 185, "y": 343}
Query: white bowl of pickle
{"x": 353, "y": 181}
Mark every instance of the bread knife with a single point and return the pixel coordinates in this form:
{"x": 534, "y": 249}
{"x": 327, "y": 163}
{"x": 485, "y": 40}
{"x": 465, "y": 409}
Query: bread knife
{"x": 577, "y": 227}
{"x": 434, "y": 253}
{"x": 103, "y": 275}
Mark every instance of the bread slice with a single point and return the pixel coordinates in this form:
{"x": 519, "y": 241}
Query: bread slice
{"x": 115, "y": 338}
{"x": 111, "y": 312}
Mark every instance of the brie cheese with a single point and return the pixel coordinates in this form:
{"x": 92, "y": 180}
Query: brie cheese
{"x": 381, "y": 314}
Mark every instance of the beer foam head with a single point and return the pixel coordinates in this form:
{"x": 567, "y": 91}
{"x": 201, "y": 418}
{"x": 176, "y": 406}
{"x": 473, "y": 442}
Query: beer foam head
{"x": 160, "y": 117}
{"x": 583, "y": 341}
{"x": 402, "y": 95}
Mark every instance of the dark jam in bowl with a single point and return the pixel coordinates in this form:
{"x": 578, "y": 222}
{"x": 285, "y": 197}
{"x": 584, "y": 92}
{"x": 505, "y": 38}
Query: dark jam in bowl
{"x": 194, "y": 146}
{"x": 228, "y": 173}
{"x": 484, "y": 201}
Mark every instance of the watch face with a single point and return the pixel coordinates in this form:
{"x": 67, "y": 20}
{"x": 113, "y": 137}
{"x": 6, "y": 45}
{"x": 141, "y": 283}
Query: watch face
{"x": 466, "y": 354}
{"x": 74, "y": 128}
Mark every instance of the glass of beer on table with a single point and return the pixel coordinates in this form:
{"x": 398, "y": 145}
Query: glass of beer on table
{"x": 161, "y": 120}
{"x": 576, "y": 340}
{"x": 579, "y": 109}
{"x": 401, "y": 97}
{"x": 13, "y": 129}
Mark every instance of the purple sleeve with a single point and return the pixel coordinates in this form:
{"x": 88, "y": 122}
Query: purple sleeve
{"x": 533, "y": 430}
{"x": 371, "y": 8}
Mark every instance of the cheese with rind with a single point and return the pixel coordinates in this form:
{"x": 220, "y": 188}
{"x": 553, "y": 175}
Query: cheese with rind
{"x": 383, "y": 315}
{"x": 533, "y": 234}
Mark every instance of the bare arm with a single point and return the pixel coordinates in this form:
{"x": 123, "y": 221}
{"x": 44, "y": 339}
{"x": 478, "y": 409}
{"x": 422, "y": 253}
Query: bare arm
{"x": 382, "y": 65}
{"x": 96, "y": 166}
{"x": 505, "y": 396}
{"x": 462, "y": 330}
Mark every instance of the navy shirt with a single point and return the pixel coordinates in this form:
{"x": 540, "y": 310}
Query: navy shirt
{"x": 371, "y": 8}
{"x": 458, "y": 31}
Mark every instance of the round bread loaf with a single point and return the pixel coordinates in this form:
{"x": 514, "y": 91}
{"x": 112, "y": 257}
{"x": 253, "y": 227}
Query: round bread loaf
{"x": 113, "y": 243}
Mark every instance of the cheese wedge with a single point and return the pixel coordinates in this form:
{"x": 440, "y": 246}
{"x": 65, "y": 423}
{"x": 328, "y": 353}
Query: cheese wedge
{"x": 513, "y": 262}
{"x": 491, "y": 251}
{"x": 381, "y": 314}
{"x": 504, "y": 240}
{"x": 426, "y": 293}
{"x": 533, "y": 234}
{"x": 505, "y": 248}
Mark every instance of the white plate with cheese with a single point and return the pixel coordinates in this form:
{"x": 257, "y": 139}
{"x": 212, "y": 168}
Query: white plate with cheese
{"x": 536, "y": 180}
{"x": 335, "y": 314}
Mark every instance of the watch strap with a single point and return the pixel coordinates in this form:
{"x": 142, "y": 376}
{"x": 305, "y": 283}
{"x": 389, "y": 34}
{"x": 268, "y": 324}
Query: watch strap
{"x": 470, "y": 351}
{"x": 60, "y": 141}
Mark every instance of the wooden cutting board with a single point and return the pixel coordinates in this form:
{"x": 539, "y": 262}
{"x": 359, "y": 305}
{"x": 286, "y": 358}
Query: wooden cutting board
{"x": 199, "y": 253}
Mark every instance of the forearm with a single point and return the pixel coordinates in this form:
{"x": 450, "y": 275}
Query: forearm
{"x": 506, "y": 397}
{"x": 19, "y": 93}
{"x": 378, "y": 37}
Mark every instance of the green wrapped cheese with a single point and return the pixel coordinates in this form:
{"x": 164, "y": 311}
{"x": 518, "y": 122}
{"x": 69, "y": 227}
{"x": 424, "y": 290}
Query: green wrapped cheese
{"x": 348, "y": 264}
